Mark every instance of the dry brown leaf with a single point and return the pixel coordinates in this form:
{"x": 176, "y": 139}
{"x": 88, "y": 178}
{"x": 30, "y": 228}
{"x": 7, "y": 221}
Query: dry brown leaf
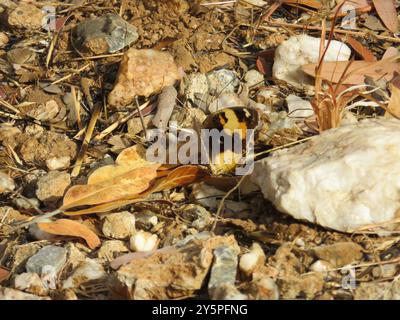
{"x": 4, "y": 274}
{"x": 358, "y": 47}
{"x": 386, "y": 10}
{"x": 394, "y": 103}
{"x": 356, "y": 72}
{"x": 309, "y": 3}
{"x": 65, "y": 227}
{"x": 180, "y": 176}
{"x": 131, "y": 175}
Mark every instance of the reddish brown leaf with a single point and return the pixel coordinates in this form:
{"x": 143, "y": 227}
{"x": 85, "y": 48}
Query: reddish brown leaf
{"x": 309, "y": 3}
{"x": 358, "y": 47}
{"x": 265, "y": 62}
{"x": 65, "y": 227}
{"x": 356, "y": 72}
{"x": 4, "y": 275}
{"x": 386, "y": 10}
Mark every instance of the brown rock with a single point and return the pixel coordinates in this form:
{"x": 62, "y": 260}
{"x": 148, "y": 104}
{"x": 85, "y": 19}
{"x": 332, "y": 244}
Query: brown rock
{"x": 339, "y": 254}
{"x": 3, "y": 39}
{"x": 119, "y": 225}
{"x": 30, "y": 282}
{"x": 12, "y": 294}
{"x": 51, "y": 187}
{"x": 47, "y": 145}
{"x": 169, "y": 273}
{"x": 143, "y": 73}
{"x": 26, "y": 16}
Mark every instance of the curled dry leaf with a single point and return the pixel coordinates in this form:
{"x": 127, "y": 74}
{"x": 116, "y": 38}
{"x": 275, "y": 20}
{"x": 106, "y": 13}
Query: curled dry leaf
{"x": 4, "y": 274}
{"x": 131, "y": 175}
{"x": 386, "y": 10}
{"x": 65, "y": 227}
{"x": 178, "y": 177}
{"x": 358, "y": 47}
{"x": 355, "y": 72}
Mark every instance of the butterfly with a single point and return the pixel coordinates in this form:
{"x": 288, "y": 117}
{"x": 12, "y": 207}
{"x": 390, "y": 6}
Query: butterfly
{"x": 234, "y": 123}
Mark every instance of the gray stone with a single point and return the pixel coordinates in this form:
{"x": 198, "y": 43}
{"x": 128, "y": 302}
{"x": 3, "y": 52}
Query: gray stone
{"x": 106, "y": 34}
{"x": 224, "y": 269}
{"x": 47, "y": 256}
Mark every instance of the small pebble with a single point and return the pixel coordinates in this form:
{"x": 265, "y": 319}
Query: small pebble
{"x": 143, "y": 241}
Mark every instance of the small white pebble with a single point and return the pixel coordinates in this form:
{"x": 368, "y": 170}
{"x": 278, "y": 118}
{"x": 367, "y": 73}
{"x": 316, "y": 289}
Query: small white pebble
{"x": 58, "y": 163}
{"x": 143, "y": 241}
{"x": 249, "y": 261}
{"x": 320, "y": 266}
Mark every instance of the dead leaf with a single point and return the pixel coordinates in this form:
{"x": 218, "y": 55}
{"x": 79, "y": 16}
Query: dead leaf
{"x": 165, "y": 106}
{"x": 386, "y": 10}
{"x": 178, "y": 177}
{"x": 131, "y": 175}
{"x": 65, "y": 227}
{"x": 358, "y": 47}
{"x": 394, "y": 103}
{"x": 356, "y": 72}
{"x": 4, "y": 275}
{"x": 309, "y": 3}
{"x": 265, "y": 62}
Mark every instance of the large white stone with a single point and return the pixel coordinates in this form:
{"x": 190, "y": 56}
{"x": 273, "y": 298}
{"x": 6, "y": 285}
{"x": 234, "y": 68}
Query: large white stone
{"x": 343, "y": 179}
{"x": 300, "y": 50}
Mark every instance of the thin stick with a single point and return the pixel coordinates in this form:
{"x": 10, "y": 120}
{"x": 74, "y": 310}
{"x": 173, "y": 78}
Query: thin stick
{"x": 89, "y": 130}
{"x": 141, "y": 118}
{"x": 117, "y": 123}
{"x": 221, "y": 204}
{"x": 354, "y": 33}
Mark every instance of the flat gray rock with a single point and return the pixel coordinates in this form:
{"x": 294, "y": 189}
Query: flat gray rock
{"x": 106, "y": 34}
{"x": 47, "y": 256}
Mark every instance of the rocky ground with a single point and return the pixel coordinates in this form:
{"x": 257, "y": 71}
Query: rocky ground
{"x": 84, "y": 85}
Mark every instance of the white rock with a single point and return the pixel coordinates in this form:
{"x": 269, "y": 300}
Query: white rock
{"x": 143, "y": 241}
{"x": 249, "y": 261}
{"x": 225, "y": 100}
{"x": 254, "y": 79}
{"x": 6, "y": 183}
{"x": 86, "y": 271}
{"x": 343, "y": 179}
{"x": 195, "y": 86}
{"x": 320, "y": 266}
{"x": 58, "y": 163}
{"x": 298, "y": 107}
{"x": 223, "y": 80}
{"x": 30, "y": 282}
{"x": 300, "y": 50}
{"x": 206, "y": 195}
